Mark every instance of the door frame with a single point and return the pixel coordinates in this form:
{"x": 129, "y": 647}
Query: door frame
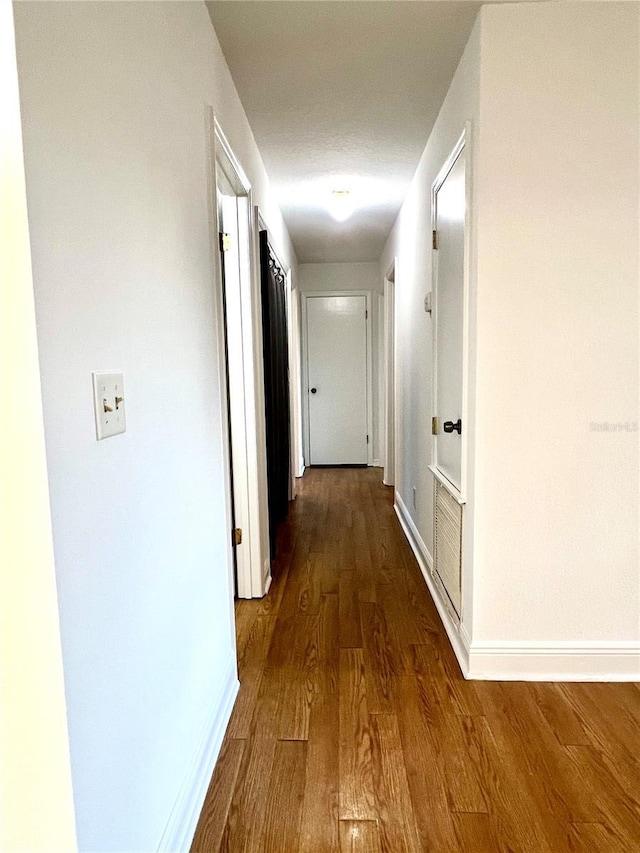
{"x": 390, "y": 430}
{"x": 379, "y": 362}
{"x": 248, "y": 496}
{"x": 463, "y": 144}
{"x": 296, "y": 467}
{"x": 295, "y": 403}
{"x": 305, "y": 366}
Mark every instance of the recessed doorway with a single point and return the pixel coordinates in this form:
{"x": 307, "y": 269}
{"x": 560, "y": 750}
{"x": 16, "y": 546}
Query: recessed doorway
{"x": 338, "y": 378}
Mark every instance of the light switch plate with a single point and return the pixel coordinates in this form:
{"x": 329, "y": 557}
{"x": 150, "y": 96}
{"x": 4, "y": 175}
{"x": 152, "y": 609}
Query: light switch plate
{"x": 108, "y": 403}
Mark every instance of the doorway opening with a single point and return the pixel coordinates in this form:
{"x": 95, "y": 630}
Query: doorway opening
{"x": 389, "y": 404}
{"x": 274, "y": 283}
{"x": 241, "y": 332}
{"x": 337, "y": 378}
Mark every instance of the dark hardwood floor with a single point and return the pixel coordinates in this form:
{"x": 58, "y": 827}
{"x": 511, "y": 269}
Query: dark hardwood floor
{"x": 355, "y": 731}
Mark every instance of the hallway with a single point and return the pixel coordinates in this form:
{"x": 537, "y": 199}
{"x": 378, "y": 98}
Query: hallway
{"x": 355, "y": 731}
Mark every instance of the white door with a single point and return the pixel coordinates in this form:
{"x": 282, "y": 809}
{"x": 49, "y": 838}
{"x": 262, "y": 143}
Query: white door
{"x": 449, "y": 287}
{"x": 231, "y": 263}
{"x": 337, "y": 379}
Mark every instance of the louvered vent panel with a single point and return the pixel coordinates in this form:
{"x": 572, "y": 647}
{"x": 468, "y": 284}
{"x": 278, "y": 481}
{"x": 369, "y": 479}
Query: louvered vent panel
{"x": 448, "y": 543}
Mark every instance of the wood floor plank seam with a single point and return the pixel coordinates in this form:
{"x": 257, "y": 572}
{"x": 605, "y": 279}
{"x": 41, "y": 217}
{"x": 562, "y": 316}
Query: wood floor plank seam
{"x": 355, "y": 732}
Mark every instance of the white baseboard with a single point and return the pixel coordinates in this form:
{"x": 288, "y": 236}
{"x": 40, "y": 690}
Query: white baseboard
{"x": 455, "y": 632}
{"x": 267, "y": 583}
{"x": 376, "y": 463}
{"x": 420, "y": 550}
{"x": 522, "y": 661}
{"x": 559, "y": 661}
{"x": 181, "y": 826}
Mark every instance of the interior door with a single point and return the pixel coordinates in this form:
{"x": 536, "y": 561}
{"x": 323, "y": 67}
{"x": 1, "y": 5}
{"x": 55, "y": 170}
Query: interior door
{"x": 229, "y": 259}
{"x": 449, "y": 286}
{"x": 337, "y": 379}
{"x": 275, "y": 342}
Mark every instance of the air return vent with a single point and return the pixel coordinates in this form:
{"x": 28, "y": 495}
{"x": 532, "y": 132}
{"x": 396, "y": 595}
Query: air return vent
{"x": 448, "y": 543}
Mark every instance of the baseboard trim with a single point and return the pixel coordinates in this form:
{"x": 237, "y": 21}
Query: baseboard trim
{"x": 420, "y": 550}
{"x": 376, "y": 463}
{"x": 181, "y": 826}
{"x": 456, "y": 633}
{"x": 560, "y": 661}
{"x": 524, "y": 661}
{"x": 266, "y": 575}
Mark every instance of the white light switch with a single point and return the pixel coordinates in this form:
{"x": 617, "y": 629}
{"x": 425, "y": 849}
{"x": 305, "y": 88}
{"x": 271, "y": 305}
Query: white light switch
{"x": 108, "y": 402}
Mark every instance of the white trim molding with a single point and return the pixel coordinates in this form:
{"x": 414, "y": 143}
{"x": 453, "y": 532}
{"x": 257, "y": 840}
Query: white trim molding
{"x": 388, "y": 423}
{"x": 501, "y": 660}
{"x": 420, "y": 550}
{"x": 505, "y": 660}
{"x": 239, "y": 324}
{"x": 266, "y": 575}
{"x": 183, "y": 819}
{"x": 456, "y": 632}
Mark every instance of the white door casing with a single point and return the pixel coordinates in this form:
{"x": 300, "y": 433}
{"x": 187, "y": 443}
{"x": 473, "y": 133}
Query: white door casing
{"x": 389, "y": 412}
{"x": 337, "y": 350}
{"x": 228, "y": 222}
{"x": 295, "y": 374}
{"x": 247, "y": 454}
{"x": 379, "y": 441}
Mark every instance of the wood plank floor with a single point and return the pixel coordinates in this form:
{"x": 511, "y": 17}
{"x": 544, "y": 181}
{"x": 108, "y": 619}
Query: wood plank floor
{"x": 355, "y": 731}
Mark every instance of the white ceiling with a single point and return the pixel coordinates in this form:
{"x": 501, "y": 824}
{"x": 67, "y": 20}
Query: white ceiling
{"x": 341, "y": 94}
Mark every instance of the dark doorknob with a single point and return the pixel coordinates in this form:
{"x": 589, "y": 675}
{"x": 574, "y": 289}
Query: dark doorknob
{"x": 450, "y": 426}
{"x": 313, "y": 390}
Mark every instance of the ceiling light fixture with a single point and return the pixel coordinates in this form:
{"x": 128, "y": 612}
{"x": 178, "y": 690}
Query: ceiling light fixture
{"x": 340, "y": 205}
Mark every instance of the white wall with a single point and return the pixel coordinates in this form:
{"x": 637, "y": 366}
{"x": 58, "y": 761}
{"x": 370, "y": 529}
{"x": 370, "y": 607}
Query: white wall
{"x": 551, "y": 579}
{"x": 357, "y": 276}
{"x": 557, "y": 503}
{"x": 36, "y": 798}
{"x": 114, "y": 102}
{"x": 353, "y": 276}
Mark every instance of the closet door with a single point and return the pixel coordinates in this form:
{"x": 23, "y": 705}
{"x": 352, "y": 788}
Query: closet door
{"x": 449, "y": 225}
{"x": 276, "y": 385}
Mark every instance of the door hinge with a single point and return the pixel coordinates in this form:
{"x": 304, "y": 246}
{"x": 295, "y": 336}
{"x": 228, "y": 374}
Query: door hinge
{"x": 434, "y": 239}
{"x": 366, "y": 314}
{"x": 225, "y": 241}
{"x": 367, "y": 439}
{"x": 434, "y": 426}
{"x": 237, "y": 536}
